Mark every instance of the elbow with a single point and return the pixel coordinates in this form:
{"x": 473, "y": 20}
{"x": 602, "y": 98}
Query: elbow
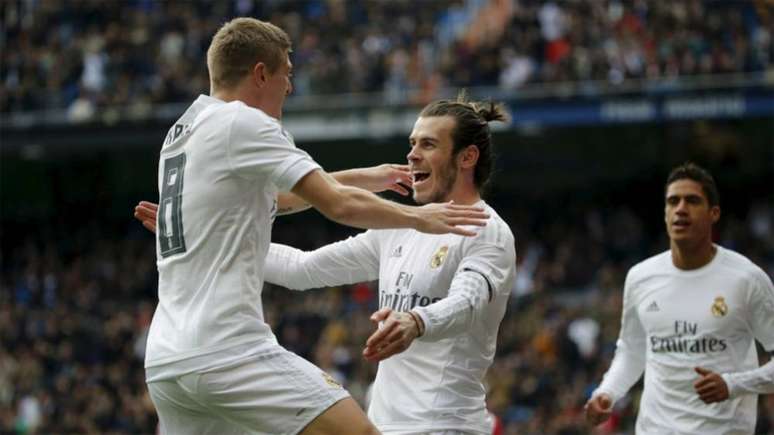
{"x": 342, "y": 212}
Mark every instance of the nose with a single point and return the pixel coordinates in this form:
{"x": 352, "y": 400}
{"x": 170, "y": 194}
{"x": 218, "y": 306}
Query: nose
{"x": 681, "y": 207}
{"x": 412, "y": 156}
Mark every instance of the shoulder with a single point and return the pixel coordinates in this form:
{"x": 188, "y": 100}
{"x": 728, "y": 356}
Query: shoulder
{"x": 250, "y": 122}
{"x": 736, "y": 263}
{"x": 496, "y": 232}
{"x": 645, "y": 269}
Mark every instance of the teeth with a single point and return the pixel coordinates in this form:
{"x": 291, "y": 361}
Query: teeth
{"x": 416, "y": 175}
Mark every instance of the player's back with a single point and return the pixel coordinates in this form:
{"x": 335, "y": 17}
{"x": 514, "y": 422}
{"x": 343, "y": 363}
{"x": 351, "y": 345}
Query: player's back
{"x": 218, "y": 176}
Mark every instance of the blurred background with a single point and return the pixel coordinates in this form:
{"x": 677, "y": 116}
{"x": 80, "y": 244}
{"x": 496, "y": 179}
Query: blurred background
{"x": 606, "y": 96}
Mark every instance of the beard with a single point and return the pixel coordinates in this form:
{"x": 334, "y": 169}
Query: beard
{"x": 446, "y": 177}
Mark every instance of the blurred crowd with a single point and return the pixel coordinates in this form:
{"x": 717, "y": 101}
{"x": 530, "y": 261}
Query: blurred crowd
{"x": 82, "y": 55}
{"x": 76, "y": 303}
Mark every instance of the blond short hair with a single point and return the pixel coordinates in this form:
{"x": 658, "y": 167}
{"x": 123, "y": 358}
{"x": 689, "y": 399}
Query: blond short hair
{"x": 240, "y": 44}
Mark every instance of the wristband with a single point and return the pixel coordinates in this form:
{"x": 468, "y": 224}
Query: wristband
{"x": 415, "y": 317}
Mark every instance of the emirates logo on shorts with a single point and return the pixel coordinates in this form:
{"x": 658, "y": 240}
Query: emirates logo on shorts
{"x": 719, "y": 307}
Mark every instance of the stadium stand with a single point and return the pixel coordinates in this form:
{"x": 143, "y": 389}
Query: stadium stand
{"x": 89, "y": 54}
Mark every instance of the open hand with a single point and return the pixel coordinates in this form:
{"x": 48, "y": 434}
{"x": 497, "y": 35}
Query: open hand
{"x": 146, "y": 213}
{"x": 442, "y": 218}
{"x": 388, "y": 176}
{"x": 710, "y": 387}
{"x": 395, "y": 335}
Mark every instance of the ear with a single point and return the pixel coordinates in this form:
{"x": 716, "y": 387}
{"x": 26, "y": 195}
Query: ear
{"x": 468, "y": 157}
{"x": 715, "y": 213}
{"x": 259, "y": 75}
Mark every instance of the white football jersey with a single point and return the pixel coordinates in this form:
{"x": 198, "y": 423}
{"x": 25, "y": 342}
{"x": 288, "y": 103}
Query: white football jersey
{"x": 674, "y": 320}
{"x": 220, "y": 169}
{"x": 437, "y": 383}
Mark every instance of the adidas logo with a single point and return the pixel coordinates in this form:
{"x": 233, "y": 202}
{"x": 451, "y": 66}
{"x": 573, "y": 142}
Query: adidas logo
{"x": 397, "y": 252}
{"x": 652, "y": 308}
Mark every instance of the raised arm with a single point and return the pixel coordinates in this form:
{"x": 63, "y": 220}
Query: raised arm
{"x": 374, "y": 179}
{"x": 361, "y": 209}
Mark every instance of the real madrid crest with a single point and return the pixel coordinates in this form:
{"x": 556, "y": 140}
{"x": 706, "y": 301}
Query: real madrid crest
{"x": 330, "y": 381}
{"x": 719, "y": 307}
{"x": 438, "y": 257}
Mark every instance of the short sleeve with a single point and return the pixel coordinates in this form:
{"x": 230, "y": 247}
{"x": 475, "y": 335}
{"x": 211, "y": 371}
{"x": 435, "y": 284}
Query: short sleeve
{"x": 762, "y": 309}
{"x": 260, "y": 148}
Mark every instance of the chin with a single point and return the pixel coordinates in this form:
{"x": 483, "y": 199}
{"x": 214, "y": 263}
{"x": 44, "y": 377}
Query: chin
{"x": 683, "y": 238}
{"x": 420, "y": 199}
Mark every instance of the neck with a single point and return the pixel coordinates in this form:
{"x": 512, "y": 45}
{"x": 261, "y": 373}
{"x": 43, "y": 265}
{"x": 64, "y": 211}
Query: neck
{"x": 687, "y": 256}
{"x": 239, "y": 94}
{"x": 464, "y": 196}
{"x": 227, "y": 95}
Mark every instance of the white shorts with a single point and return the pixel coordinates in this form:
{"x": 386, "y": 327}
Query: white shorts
{"x": 277, "y": 393}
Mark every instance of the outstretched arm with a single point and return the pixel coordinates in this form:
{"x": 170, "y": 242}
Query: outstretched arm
{"x": 346, "y": 262}
{"x": 374, "y": 179}
{"x": 349, "y": 261}
{"x": 361, "y": 209}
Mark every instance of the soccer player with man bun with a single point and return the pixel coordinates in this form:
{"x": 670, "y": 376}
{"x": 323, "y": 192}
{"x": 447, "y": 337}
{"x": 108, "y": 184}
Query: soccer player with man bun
{"x": 690, "y": 319}
{"x": 441, "y": 298}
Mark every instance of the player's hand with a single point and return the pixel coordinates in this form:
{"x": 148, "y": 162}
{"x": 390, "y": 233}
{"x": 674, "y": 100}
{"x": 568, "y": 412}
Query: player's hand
{"x": 598, "y": 409}
{"x": 443, "y": 218}
{"x": 388, "y": 176}
{"x": 395, "y": 335}
{"x": 710, "y": 387}
{"x": 146, "y": 212}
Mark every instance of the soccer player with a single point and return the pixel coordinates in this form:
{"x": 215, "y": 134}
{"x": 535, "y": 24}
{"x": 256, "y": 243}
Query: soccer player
{"x": 212, "y": 363}
{"x": 690, "y": 319}
{"x": 441, "y": 297}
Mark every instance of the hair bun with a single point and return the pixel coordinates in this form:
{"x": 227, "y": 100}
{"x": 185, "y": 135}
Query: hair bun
{"x": 491, "y": 111}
